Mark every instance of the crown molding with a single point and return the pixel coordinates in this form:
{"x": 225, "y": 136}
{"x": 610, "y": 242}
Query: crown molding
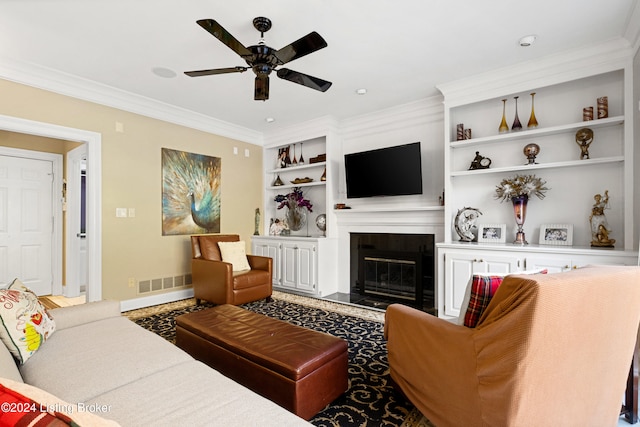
{"x": 87, "y": 90}
{"x": 427, "y": 110}
{"x": 612, "y": 55}
{"x": 310, "y": 129}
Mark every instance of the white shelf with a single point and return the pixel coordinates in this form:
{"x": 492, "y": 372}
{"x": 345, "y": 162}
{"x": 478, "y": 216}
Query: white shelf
{"x": 297, "y": 168}
{"x": 306, "y": 184}
{"x": 538, "y": 132}
{"x": 520, "y": 168}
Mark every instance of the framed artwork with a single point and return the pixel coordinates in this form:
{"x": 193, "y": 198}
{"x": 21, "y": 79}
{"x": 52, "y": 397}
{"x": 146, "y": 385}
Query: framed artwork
{"x": 492, "y": 233}
{"x": 556, "y": 234}
{"x": 190, "y": 193}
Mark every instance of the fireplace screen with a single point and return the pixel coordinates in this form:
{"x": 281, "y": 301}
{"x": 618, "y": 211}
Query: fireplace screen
{"x": 390, "y": 277}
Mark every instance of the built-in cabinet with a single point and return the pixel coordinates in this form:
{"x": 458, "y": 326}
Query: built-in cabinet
{"x": 458, "y": 263}
{"x": 300, "y": 264}
{"x": 556, "y": 92}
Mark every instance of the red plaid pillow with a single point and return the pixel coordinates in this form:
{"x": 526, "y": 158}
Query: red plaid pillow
{"x": 483, "y": 288}
{"x": 19, "y": 410}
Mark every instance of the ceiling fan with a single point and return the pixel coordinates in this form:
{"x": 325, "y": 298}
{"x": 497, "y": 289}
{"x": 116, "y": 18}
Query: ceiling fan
{"x": 263, "y": 60}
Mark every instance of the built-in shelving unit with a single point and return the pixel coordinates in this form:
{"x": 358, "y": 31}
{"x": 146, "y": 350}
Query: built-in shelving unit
{"x": 315, "y": 190}
{"x": 561, "y": 92}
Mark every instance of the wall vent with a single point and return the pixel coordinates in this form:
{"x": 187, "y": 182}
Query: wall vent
{"x": 144, "y": 286}
{"x": 166, "y": 283}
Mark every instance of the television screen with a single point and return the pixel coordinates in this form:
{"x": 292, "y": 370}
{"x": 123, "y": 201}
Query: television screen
{"x": 390, "y": 171}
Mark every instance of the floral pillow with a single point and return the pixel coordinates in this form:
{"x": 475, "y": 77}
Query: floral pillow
{"x": 25, "y": 323}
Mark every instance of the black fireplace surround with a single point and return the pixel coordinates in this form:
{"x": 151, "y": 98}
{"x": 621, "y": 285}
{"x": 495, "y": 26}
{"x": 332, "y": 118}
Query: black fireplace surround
{"x": 392, "y": 268}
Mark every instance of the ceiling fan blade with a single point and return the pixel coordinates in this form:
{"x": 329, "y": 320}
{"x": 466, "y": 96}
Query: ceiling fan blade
{"x": 299, "y": 48}
{"x": 261, "y": 92}
{"x": 223, "y": 35}
{"x": 216, "y": 71}
{"x": 304, "y": 79}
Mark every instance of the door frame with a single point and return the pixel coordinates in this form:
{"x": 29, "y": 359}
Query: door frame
{"x": 94, "y": 187}
{"x": 56, "y": 207}
{"x": 74, "y": 159}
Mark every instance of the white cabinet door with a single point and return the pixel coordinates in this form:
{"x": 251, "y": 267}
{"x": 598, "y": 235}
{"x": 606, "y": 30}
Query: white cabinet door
{"x": 271, "y": 250}
{"x": 299, "y": 261}
{"x": 460, "y": 265}
{"x": 289, "y": 262}
{"x": 306, "y": 266}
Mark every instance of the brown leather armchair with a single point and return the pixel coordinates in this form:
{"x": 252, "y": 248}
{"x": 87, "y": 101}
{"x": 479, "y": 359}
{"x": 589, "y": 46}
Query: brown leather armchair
{"x": 215, "y": 281}
{"x": 549, "y": 350}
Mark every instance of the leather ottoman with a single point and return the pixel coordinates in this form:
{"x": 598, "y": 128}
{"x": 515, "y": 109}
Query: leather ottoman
{"x": 299, "y": 369}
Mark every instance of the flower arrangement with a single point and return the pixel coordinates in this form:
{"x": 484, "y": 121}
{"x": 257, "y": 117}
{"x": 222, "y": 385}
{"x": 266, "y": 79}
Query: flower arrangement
{"x": 293, "y": 200}
{"x": 520, "y": 185}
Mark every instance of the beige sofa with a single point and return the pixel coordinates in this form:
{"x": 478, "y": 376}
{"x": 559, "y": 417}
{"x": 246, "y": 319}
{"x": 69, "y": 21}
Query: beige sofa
{"x": 113, "y": 368}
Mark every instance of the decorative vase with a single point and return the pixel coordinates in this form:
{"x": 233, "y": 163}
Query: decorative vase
{"x": 520, "y": 212}
{"x": 301, "y": 159}
{"x": 296, "y": 218}
{"x": 533, "y": 122}
{"x": 516, "y": 121}
{"x": 504, "y": 127}
{"x": 603, "y": 107}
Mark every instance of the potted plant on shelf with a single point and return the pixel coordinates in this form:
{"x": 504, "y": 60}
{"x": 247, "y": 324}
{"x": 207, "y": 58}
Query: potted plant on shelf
{"x": 518, "y": 189}
{"x": 296, "y": 216}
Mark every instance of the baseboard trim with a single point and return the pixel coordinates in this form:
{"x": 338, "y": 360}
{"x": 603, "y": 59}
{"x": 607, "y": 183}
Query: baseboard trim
{"x": 163, "y": 298}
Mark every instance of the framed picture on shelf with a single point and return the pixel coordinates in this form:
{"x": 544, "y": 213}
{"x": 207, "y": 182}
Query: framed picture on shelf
{"x": 556, "y": 234}
{"x": 492, "y": 233}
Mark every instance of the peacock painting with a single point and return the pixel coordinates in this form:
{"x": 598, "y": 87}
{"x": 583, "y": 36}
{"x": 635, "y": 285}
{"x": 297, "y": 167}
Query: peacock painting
{"x": 190, "y": 193}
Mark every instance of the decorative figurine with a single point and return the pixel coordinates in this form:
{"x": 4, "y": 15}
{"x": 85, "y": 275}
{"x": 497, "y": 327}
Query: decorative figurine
{"x": 256, "y": 231}
{"x": 531, "y": 151}
{"x": 599, "y": 227}
{"x": 321, "y": 223}
{"x": 480, "y": 162}
{"x": 584, "y": 138}
{"x": 465, "y": 223}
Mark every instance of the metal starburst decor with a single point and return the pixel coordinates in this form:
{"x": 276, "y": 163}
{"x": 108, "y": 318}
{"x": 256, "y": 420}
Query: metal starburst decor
{"x": 520, "y": 185}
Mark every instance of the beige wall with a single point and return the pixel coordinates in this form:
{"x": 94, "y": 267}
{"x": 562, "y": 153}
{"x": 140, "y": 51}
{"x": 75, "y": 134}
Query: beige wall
{"x": 132, "y": 178}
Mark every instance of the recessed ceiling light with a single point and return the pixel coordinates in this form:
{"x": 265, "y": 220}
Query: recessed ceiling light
{"x": 362, "y": 91}
{"x": 527, "y": 40}
{"x": 269, "y": 120}
{"x": 164, "y": 72}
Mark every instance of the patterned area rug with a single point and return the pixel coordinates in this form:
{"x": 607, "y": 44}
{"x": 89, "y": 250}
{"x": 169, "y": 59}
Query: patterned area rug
{"x": 370, "y": 400}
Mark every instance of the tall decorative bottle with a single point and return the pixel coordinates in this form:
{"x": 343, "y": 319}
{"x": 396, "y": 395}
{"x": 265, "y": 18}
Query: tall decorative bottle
{"x": 533, "y": 122}
{"x": 516, "y": 122}
{"x": 503, "y": 124}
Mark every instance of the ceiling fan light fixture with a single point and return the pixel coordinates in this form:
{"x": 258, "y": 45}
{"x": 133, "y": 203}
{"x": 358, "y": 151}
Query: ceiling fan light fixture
{"x": 527, "y": 41}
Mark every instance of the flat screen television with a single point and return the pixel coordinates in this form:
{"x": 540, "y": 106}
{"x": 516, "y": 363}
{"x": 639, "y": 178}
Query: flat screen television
{"x": 389, "y": 171}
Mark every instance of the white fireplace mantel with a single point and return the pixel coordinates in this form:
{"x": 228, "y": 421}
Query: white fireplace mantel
{"x": 386, "y": 219}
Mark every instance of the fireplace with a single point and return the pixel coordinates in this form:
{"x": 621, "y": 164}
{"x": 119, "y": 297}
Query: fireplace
{"x": 392, "y": 268}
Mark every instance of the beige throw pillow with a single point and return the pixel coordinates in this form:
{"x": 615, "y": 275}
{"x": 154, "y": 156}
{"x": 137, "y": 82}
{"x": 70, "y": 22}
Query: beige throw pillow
{"x": 234, "y": 253}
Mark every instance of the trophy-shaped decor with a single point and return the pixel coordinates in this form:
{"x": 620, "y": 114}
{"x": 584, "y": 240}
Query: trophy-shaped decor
{"x": 599, "y": 227}
{"x": 531, "y": 151}
{"x": 584, "y": 138}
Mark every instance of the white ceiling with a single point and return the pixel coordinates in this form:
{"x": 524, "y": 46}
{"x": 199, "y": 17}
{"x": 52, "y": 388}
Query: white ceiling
{"x": 398, "y": 50}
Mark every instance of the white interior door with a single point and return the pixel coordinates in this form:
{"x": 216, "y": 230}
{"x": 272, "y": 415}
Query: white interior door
{"x": 26, "y": 222}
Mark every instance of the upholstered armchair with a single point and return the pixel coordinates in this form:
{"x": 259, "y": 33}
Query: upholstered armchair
{"x": 220, "y": 280}
{"x": 549, "y": 350}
